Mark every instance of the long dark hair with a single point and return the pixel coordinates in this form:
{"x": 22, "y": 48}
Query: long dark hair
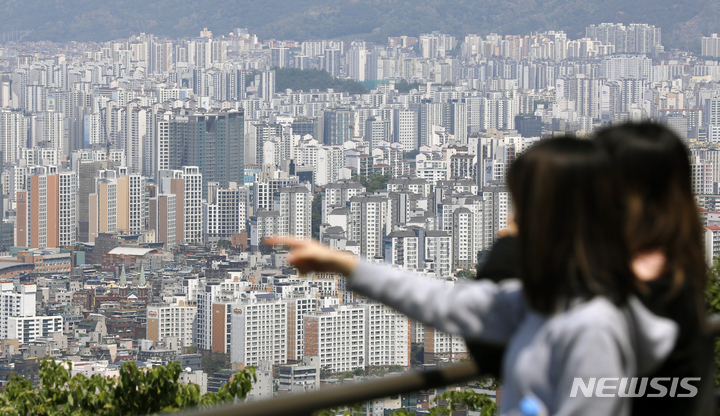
{"x": 653, "y": 172}
{"x": 569, "y": 235}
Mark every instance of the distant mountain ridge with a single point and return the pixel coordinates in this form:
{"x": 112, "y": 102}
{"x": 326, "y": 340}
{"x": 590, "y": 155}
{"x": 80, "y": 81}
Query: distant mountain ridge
{"x": 374, "y": 20}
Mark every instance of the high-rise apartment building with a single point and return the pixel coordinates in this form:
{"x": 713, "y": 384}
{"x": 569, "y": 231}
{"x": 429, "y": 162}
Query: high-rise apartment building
{"x": 131, "y": 202}
{"x": 186, "y": 185}
{"x": 338, "y": 124}
{"x": 401, "y": 249}
{"x": 214, "y": 142}
{"x": 357, "y": 61}
{"x": 332, "y": 62}
{"x": 215, "y": 302}
{"x": 225, "y": 212}
{"x": 259, "y": 330}
{"x": 387, "y": 339}
{"x": 103, "y": 205}
{"x": 702, "y": 176}
{"x": 161, "y": 218}
{"x": 710, "y": 45}
{"x": 297, "y": 306}
{"x": 338, "y": 194}
{"x": 406, "y": 128}
{"x": 266, "y": 89}
{"x": 46, "y": 212}
{"x": 368, "y": 224}
{"x": 337, "y": 336}
{"x": 436, "y": 251}
{"x": 497, "y": 204}
{"x": 442, "y": 346}
{"x": 263, "y": 224}
{"x": 13, "y": 134}
{"x": 377, "y": 131}
{"x": 295, "y": 207}
{"x": 279, "y": 57}
{"x": 266, "y": 185}
{"x": 175, "y": 320}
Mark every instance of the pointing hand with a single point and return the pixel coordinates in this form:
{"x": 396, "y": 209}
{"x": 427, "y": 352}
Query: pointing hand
{"x": 310, "y": 256}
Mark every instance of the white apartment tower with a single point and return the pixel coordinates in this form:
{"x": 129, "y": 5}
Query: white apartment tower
{"x": 175, "y": 320}
{"x": 387, "y": 336}
{"x": 297, "y": 307}
{"x": 259, "y": 330}
{"x": 437, "y": 252}
{"x": 337, "y": 194}
{"x": 497, "y": 204}
{"x": 264, "y": 224}
{"x": 401, "y": 249}
{"x": 369, "y": 221}
{"x": 337, "y": 337}
{"x": 186, "y": 185}
{"x": 17, "y": 314}
{"x": 214, "y": 313}
{"x": 406, "y": 128}
{"x": 225, "y": 213}
{"x": 67, "y": 210}
{"x": 13, "y": 134}
{"x": 702, "y": 176}
{"x": 296, "y": 211}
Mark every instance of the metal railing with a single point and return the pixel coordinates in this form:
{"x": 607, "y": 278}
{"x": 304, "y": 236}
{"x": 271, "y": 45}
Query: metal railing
{"x": 305, "y": 404}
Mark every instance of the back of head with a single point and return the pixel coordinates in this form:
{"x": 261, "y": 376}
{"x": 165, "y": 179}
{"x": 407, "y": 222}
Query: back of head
{"x": 568, "y": 225}
{"x": 652, "y": 169}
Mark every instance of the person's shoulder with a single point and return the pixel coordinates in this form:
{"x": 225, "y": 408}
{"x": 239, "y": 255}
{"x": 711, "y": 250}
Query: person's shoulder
{"x": 597, "y": 315}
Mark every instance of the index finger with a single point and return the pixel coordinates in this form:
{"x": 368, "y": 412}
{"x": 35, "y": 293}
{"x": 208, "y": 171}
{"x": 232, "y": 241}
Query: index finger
{"x": 285, "y": 240}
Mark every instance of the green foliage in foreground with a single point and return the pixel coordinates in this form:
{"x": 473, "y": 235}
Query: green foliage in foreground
{"x": 712, "y": 299}
{"x": 455, "y": 400}
{"x": 135, "y": 392}
{"x": 450, "y": 401}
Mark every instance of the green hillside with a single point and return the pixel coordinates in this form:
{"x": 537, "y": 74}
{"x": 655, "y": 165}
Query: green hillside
{"x": 305, "y": 80}
{"x": 92, "y": 20}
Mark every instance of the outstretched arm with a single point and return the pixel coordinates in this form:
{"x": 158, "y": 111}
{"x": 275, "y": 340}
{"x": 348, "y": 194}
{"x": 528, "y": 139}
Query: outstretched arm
{"x": 476, "y": 310}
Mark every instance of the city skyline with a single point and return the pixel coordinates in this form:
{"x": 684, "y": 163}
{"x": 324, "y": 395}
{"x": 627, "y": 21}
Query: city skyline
{"x": 141, "y": 176}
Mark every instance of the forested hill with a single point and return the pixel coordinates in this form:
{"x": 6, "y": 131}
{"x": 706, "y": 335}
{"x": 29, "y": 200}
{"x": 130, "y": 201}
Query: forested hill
{"x": 305, "y": 80}
{"x": 98, "y": 20}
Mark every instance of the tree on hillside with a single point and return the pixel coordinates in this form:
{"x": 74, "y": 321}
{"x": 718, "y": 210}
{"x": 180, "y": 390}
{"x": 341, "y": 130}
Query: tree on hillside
{"x": 373, "y": 182}
{"x": 404, "y": 87}
{"x": 316, "y": 215}
{"x": 417, "y": 354}
{"x": 410, "y": 155}
{"x": 215, "y": 361}
{"x": 326, "y": 372}
{"x": 134, "y": 392}
{"x": 307, "y": 79}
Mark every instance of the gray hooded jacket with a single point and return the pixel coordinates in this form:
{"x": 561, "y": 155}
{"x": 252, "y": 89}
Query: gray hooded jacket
{"x": 545, "y": 354}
